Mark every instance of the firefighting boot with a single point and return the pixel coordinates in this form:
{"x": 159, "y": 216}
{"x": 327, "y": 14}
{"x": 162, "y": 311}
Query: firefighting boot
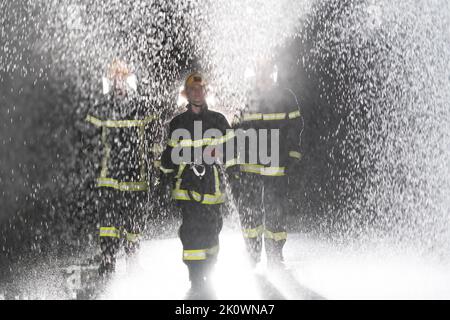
{"x": 201, "y": 286}
{"x": 132, "y": 246}
{"x": 197, "y": 279}
{"x": 254, "y": 248}
{"x": 274, "y": 251}
{"x": 106, "y": 268}
{"x": 197, "y": 276}
{"x": 109, "y": 248}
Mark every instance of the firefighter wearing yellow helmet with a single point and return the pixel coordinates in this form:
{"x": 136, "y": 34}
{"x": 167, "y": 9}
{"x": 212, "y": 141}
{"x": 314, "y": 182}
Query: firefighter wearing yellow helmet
{"x": 262, "y": 187}
{"x": 196, "y": 184}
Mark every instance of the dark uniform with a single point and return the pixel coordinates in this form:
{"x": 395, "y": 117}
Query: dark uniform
{"x": 119, "y": 132}
{"x": 263, "y": 188}
{"x": 197, "y": 188}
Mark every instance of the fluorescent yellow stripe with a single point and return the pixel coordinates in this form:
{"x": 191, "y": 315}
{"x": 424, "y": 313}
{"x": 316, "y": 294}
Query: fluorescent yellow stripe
{"x": 267, "y": 116}
{"x": 274, "y": 116}
{"x": 295, "y": 154}
{"x": 231, "y": 163}
{"x": 122, "y": 186}
{"x": 276, "y": 236}
{"x": 178, "y": 194}
{"x": 272, "y": 171}
{"x": 133, "y": 237}
{"x": 180, "y": 170}
{"x": 133, "y": 186}
{"x": 228, "y": 136}
{"x": 213, "y": 251}
{"x": 295, "y": 114}
{"x": 202, "y": 254}
{"x": 94, "y": 121}
{"x": 106, "y": 153}
{"x": 251, "y": 168}
{"x": 253, "y": 233}
{"x": 194, "y": 255}
{"x": 217, "y": 182}
{"x": 264, "y": 171}
{"x": 166, "y": 171}
{"x": 142, "y": 164}
{"x": 110, "y": 232}
{"x": 252, "y": 116}
{"x": 119, "y": 123}
{"x": 202, "y": 142}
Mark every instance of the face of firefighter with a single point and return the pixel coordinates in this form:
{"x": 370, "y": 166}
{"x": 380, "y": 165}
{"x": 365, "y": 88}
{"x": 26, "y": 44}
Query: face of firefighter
{"x": 196, "y": 95}
{"x": 119, "y": 86}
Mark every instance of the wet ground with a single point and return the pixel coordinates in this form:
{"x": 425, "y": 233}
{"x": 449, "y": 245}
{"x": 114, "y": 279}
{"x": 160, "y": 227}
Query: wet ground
{"x": 315, "y": 270}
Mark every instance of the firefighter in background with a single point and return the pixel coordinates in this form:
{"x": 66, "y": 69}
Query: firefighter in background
{"x": 120, "y": 127}
{"x": 196, "y": 184}
{"x": 261, "y": 188}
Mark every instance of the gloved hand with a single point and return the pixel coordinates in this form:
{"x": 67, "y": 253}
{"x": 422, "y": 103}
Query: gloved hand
{"x": 164, "y": 187}
{"x": 234, "y": 179}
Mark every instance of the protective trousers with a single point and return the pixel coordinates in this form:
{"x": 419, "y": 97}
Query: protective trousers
{"x": 262, "y": 211}
{"x": 199, "y": 234}
{"x": 122, "y": 220}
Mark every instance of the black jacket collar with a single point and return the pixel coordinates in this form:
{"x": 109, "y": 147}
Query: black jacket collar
{"x": 204, "y": 110}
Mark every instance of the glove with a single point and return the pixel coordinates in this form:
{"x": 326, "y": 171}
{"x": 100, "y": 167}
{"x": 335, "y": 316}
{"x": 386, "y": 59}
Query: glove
{"x": 164, "y": 188}
{"x": 234, "y": 179}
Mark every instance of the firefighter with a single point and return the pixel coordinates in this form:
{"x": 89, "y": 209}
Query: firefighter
{"x": 119, "y": 128}
{"x": 262, "y": 188}
{"x": 196, "y": 182}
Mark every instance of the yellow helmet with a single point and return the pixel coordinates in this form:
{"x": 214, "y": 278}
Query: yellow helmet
{"x": 118, "y": 69}
{"x": 194, "y": 78}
